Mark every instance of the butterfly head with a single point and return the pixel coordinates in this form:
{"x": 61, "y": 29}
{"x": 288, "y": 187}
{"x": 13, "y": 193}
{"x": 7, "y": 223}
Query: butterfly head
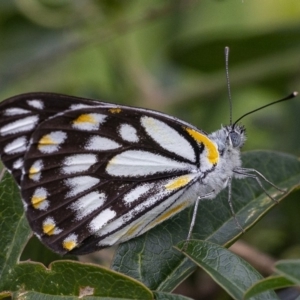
{"x": 229, "y": 137}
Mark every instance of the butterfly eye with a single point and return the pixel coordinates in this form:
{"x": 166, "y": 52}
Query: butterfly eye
{"x": 235, "y": 139}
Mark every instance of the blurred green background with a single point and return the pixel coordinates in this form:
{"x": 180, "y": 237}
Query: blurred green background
{"x": 169, "y": 56}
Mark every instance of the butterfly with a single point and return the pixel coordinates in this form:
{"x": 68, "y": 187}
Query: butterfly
{"x": 95, "y": 174}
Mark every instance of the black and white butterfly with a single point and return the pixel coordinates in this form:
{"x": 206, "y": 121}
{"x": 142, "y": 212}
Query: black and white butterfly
{"x": 95, "y": 174}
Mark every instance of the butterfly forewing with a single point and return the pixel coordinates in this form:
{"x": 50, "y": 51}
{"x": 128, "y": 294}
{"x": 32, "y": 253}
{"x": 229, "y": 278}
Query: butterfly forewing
{"x": 93, "y": 177}
{"x": 20, "y": 116}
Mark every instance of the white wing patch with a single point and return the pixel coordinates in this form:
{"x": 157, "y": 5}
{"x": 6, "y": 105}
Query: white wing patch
{"x": 50, "y": 228}
{"x": 128, "y": 133}
{"x": 87, "y": 204}
{"x": 39, "y": 199}
{"x": 137, "y": 192}
{"x": 101, "y": 220}
{"x": 35, "y": 170}
{"x": 18, "y": 126}
{"x": 51, "y": 142}
{"x": 78, "y": 163}
{"x": 142, "y": 163}
{"x": 15, "y": 111}
{"x": 99, "y": 143}
{"x": 16, "y": 146}
{"x": 18, "y": 164}
{"x": 80, "y": 184}
{"x": 38, "y": 104}
{"x": 168, "y": 138}
{"x": 79, "y": 106}
{"x": 89, "y": 121}
{"x": 70, "y": 242}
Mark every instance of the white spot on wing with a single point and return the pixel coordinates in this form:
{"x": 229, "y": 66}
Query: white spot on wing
{"x": 16, "y": 146}
{"x": 35, "y": 170}
{"x": 102, "y": 219}
{"x": 89, "y": 121}
{"x": 142, "y": 163}
{"x": 79, "y": 106}
{"x": 21, "y": 125}
{"x": 18, "y": 164}
{"x": 78, "y": 163}
{"x": 98, "y": 143}
{"x": 38, "y": 104}
{"x": 51, "y": 142}
{"x": 134, "y": 194}
{"x": 39, "y": 199}
{"x": 87, "y": 204}
{"x": 168, "y": 138}
{"x": 14, "y": 111}
{"x": 50, "y": 222}
{"x": 128, "y": 133}
{"x": 70, "y": 242}
{"x": 80, "y": 184}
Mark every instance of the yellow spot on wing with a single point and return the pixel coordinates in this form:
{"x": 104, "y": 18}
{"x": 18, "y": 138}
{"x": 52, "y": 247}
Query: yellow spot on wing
{"x": 33, "y": 170}
{"x": 46, "y": 140}
{"x": 48, "y": 228}
{"x": 115, "y": 110}
{"x": 85, "y": 118}
{"x": 213, "y": 153}
{"x": 69, "y": 244}
{"x": 178, "y": 182}
{"x": 37, "y": 201}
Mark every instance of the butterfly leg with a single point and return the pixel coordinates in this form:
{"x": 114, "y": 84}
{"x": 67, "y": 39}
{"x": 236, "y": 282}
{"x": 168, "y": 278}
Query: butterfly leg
{"x": 257, "y": 175}
{"x": 231, "y": 206}
{"x": 194, "y": 218}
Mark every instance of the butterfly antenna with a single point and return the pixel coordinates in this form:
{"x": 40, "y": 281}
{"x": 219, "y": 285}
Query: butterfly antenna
{"x": 291, "y": 96}
{"x": 228, "y": 83}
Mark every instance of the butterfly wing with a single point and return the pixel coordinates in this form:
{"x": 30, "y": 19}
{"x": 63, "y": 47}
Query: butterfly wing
{"x": 93, "y": 177}
{"x": 19, "y": 117}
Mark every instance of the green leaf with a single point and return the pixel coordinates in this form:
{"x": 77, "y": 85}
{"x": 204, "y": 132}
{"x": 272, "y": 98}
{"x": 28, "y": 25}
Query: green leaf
{"x": 167, "y": 296}
{"x": 289, "y": 276}
{"x": 14, "y": 227}
{"x": 40, "y": 296}
{"x": 230, "y": 271}
{"x": 72, "y": 278}
{"x": 64, "y": 278}
{"x": 290, "y": 268}
{"x": 152, "y": 259}
{"x": 270, "y": 283}
{"x": 37, "y": 252}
